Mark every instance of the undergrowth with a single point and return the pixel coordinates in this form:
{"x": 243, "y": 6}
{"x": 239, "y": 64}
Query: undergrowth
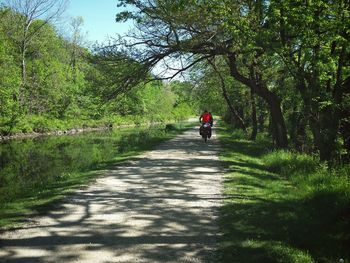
{"x": 282, "y": 206}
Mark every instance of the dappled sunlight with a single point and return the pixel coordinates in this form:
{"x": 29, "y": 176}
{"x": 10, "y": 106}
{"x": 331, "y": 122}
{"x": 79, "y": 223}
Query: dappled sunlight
{"x": 161, "y": 206}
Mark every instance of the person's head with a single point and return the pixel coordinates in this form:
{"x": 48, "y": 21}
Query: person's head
{"x": 205, "y": 111}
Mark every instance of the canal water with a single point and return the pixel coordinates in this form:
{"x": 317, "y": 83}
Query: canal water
{"x": 29, "y": 165}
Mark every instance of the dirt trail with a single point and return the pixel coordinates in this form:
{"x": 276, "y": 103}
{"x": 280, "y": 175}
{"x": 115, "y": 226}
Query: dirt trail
{"x": 160, "y": 207}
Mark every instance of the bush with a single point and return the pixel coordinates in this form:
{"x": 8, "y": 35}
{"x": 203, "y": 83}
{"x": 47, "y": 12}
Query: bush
{"x": 116, "y": 120}
{"x": 331, "y": 180}
{"x": 40, "y": 124}
{"x": 288, "y": 163}
{"x": 22, "y": 126}
{"x": 238, "y": 134}
{"x": 324, "y": 188}
{"x": 182, "y": 111}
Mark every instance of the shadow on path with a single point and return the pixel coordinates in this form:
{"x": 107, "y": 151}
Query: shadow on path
{"x": 160, "y": 207}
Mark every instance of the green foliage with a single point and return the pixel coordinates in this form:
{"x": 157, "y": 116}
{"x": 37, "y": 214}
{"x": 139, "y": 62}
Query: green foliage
{"x": 182, "y": 111}
{"x": 9, "y": 82}
{"x": 289, "y": 52}
{"x": 282, "y": 206}
{"x": 313, "y": 177}
{"x": 69, "y": 87}
{"x": 208, "y": 95}
{"x": 288, "y": 163}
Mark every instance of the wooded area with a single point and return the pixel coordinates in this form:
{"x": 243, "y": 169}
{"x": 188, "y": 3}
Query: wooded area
{"x": 280, "y": 67}
{"x": 51, "y": 81}
{"x": 277, "y": 72}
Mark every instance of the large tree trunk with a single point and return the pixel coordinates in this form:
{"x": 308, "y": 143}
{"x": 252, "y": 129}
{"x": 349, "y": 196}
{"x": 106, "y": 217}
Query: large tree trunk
{"x": 325, "y": 129}
{"x": 277, "y": 118}
{"x": 325, "y": 121}
{"x": 301, "y": 137}
{"x": 254, "y": 118}
{"x": 324, "y": 124}
{"x": 272, "y": 100}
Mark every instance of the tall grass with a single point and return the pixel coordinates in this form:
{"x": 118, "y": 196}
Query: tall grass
{"x": 288, "y": 163}
{"x": 324, "y": 190}
{"x": 282, "y": 206}
{"x": 311, "y": 177}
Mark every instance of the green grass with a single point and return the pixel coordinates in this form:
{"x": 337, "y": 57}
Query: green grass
{"x": 281, "y": 206}
{"x": 20, "y": 200}
{"x": 43, "y": 124}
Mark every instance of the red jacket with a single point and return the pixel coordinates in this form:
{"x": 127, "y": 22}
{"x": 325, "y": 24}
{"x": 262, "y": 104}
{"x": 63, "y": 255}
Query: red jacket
{"x": 206, "y": 117}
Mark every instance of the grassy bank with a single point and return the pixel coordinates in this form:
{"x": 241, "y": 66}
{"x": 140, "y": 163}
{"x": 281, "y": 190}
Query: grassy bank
{"x": 37, "y": 173}
{"x": 44, "y": 124}
{"x": 282, "y": 206}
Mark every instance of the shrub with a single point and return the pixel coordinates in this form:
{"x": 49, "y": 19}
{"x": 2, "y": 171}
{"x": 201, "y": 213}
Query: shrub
{"x": 239, "y": 134}
{"x": 325, "y": 188}
{"x": 40, "y": 124}
{"x": 287, "y": 163}
{"x": 22, "y": 126}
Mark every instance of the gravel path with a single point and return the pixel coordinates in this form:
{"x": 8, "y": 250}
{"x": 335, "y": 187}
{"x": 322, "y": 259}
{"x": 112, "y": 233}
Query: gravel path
{"x": 160, "y": 207}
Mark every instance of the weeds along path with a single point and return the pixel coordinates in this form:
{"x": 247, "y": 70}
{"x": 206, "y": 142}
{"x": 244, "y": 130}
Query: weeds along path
{"x": 160, "y": 207}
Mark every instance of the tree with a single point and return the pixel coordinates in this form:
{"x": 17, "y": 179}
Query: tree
{"x": 313, "y": 39}
{"x": 238, "y": 119}
{"x": 25, "y": 13}
{"x": 9, "y": 79}
{"x": 195, "y": 31}
{"x": 76, "y": 41}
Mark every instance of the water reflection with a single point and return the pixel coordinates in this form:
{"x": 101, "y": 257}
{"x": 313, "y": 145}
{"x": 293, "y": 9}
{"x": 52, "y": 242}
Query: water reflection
{"x": 31, "y": 164}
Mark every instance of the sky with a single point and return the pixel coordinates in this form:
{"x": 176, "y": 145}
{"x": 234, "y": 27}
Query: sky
{"x": 99, "y": 18}
{"x": 99, "y": 21}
